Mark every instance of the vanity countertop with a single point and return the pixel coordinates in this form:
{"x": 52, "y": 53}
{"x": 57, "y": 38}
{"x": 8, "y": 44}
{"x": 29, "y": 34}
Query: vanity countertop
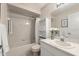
{"x": 74, "y": 50}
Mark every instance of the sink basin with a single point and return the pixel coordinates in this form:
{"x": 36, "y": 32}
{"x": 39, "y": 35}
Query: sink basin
{"x": 64, "y": 44}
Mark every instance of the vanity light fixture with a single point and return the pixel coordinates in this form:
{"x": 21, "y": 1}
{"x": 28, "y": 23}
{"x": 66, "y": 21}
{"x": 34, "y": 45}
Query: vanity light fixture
{"x": 59, "y": 4}
{"x": 8, "y": 18}
{"x": 27, "y": 22}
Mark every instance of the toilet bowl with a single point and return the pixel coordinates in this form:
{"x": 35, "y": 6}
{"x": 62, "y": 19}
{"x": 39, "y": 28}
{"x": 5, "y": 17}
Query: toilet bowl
{"x": 35, "y": 49}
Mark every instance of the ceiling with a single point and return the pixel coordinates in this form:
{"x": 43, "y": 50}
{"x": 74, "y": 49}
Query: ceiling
{"x": 27, "y": 9}
{"x": 34, "y": 7}
{"x": 67, "y": 8}
{"x": 14, "y": 9}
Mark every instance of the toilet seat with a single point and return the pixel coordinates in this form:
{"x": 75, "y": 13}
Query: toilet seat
{"x": 36, "y": 48}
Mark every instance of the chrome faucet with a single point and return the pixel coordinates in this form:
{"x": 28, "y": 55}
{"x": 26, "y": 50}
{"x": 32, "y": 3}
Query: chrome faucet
{"x": 64, "y": 36}
{"x": 62, "y": 39}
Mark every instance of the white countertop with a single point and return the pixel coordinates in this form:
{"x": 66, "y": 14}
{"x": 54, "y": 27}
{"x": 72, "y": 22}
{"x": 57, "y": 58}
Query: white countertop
{"x": 74, "y": 50}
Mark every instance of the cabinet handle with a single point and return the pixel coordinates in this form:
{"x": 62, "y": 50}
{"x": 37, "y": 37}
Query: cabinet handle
{"x": 10, "y": 26}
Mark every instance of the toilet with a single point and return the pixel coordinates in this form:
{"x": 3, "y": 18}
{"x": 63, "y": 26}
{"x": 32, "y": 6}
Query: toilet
{"x": 35, "y": 49}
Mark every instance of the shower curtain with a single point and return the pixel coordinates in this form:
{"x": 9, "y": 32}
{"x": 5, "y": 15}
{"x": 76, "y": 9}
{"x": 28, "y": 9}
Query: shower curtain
{"x": 3, "y": 38}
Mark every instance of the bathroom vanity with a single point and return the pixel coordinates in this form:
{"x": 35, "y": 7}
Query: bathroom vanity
{"x": 52, "y": 48}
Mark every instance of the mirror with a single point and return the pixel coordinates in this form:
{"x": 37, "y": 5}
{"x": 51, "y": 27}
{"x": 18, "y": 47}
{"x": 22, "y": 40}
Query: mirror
{"x": 67, "y": 21}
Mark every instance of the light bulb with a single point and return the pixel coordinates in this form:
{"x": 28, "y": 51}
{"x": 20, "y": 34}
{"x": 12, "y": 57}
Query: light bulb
{"x": 27, "y": 23}
{"x": 8, "y": 18}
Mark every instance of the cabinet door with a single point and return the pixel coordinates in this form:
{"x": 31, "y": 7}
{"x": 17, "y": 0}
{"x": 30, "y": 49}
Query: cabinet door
{"x": 0, "y": 52}
{"x": 42, "y": 51}
{"x": 47, "y": 53}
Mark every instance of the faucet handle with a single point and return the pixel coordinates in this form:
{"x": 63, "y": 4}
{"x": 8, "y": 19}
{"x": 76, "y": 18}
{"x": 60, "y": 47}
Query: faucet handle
{"x": 69, "y": 33}
{"x": 62, "y": 39}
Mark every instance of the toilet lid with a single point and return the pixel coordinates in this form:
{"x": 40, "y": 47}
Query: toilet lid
{"x": 36, "y": 46}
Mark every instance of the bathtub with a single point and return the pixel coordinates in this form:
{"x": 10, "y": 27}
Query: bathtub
{"x": 21, "y": 51}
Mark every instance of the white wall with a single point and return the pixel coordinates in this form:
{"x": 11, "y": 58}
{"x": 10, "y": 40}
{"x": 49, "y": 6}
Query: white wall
{"x": 73, "y": 27}
{"x": 73, "y": 16}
